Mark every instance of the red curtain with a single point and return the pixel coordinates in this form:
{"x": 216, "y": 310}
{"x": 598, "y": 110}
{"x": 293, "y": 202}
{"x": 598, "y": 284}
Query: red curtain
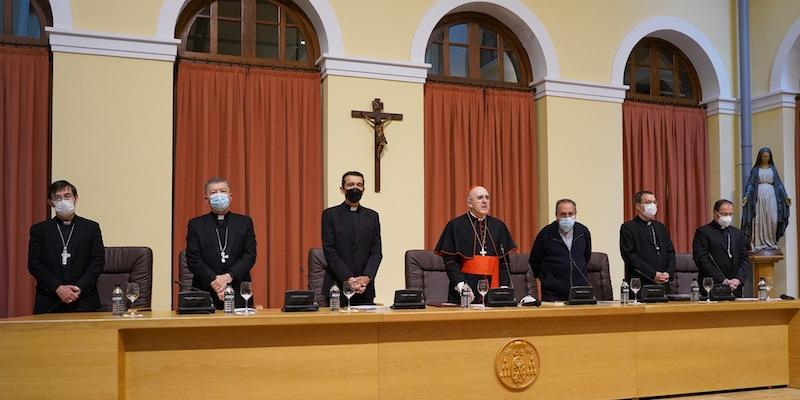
{"x": 664, "y": 151}
{"x": 25, "y": 149}
{"x": 262, "y": 130}
{"x": 486, "y": 137}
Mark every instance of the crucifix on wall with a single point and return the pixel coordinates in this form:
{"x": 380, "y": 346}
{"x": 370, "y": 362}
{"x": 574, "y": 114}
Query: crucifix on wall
{"x": 378, "y": 120}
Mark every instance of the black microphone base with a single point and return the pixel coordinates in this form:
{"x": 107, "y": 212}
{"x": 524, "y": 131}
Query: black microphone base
{"x": 580, "y": 295}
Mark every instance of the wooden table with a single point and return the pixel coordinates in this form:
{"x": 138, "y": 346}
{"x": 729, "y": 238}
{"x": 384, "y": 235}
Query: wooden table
{"x": 604, "y": 351}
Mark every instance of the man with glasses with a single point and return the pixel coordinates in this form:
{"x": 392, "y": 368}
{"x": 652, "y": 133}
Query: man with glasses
{"x": 645, "y": 244}
{"x": 65, "y": 255}
{"x": 720, "y": 250}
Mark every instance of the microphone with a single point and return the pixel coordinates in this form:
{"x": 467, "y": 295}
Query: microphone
{"x": 579, "y": 294}
{"x": 192, "y": 287}
{"x": 504, "y": 257}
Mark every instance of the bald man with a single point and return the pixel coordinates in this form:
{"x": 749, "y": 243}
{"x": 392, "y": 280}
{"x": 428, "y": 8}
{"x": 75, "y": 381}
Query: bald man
{"x": 475, "y": 246}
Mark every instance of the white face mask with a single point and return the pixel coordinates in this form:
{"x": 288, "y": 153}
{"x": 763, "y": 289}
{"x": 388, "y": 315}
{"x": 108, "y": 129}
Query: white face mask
{"x": 725, "y": 221}
{"x": 64, "y": 208}
{"x": 566, "y": 223}
{"x": 650, "y": 210}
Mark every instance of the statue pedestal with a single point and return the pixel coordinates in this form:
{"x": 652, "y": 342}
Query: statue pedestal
{"x": 763, "y": 266}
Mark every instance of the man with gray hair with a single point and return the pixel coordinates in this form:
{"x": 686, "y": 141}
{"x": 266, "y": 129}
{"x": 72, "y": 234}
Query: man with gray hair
{"x": 475, "y": 246}
{"x": 220, "y": 245}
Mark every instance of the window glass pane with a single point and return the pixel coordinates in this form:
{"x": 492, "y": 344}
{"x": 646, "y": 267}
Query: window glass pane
{"x": 229, "y": 37}
{"x": 205, "y": 11}
{"x": 434, "y": 57}
{"x": 459, "y": 64}
{"x": 686, "y": 85}
{"x": 2, "y": 9}
{"x": 266, "y": 11}
{"x": 289, "y": 20}
{"x": 489, "y": 67}
{"x": 438, "y": 36}
{"x": 488, "y": 38}
{"x": 667, "y": 82}
{"x": 642, "y": 80}
{"x": 510, "y": 67}
{"x": 23, "y": 19}
{"x": 199, "y": 37}
{"x": 626, "y": 78}
{"x": 266, "y": 41}
{"x": 641, "y": 55}
{"x": 457, "y": 33}
{"x": 665, "y": 58}
{"x": 230, "y": 8}
{"x": 295, "y": 45}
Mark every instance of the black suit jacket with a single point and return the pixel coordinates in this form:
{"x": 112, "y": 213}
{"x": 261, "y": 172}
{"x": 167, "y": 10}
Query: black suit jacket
{"x": 711, "y": 242}
{"x": 349, "y": 256}
{"x": 82, "y": 270}
{"x": 551, "y": 260}
{"x": 642, "y": 260}
{"x": 203, "y": 254}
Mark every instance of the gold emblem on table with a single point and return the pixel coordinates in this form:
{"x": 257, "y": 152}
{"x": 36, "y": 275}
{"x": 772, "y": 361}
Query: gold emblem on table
{"x": 517, "y": 364}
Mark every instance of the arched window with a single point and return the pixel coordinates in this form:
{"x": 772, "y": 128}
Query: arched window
{"x": 478, "y": 49}
{"x": 254, "y": 32}
{"x": 659, "y": 72}
{"x": 23, "y": 22}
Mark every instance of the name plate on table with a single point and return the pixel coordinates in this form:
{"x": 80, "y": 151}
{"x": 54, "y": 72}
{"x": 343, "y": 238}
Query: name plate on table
{"x": 722, "y": 292}
{"x": 195, "y": 302}
{"x": 579, "y": 295}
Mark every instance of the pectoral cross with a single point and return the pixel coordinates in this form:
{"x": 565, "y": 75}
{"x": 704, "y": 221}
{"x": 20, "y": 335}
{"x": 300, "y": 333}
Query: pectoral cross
{"x": 378, "y": 120}
{"x": 482, "y": 252}
{"x": 223, "y": 256}
{"x": 64, "y": 256}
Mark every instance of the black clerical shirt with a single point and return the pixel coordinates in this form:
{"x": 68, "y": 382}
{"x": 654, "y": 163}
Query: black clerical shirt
{"x": 646, "y": 249}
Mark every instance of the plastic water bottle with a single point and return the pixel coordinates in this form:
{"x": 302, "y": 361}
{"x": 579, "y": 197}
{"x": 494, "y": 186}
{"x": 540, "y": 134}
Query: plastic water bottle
{"x": 762, "y": 289}
{"x": 229, "y": 295}
{"x": 624, "y": 293}
{"x": 117, "y": 301}
{"x": 694, "y": 291}
{"x": 465, "y": 296}
{"x": 335, "y": 298}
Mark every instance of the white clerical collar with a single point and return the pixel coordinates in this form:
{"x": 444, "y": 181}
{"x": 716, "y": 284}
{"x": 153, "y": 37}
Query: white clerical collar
{"x": 473, "y": 216}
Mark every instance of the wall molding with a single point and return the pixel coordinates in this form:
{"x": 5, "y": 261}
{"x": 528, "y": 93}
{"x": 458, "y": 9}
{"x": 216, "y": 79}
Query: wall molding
{"x": 337, "y": 65}
{"x": 579, "y": 90}
{"x": 773, "y": 100}
{"x": 103, "y": 44}
{"x": 722, "y": 105}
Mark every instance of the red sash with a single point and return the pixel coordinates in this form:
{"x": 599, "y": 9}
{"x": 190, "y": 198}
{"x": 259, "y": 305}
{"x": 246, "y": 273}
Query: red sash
{"x": 484, "y": 265}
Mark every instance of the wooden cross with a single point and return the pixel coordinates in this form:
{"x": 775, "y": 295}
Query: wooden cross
{"x": 378, "y": 120}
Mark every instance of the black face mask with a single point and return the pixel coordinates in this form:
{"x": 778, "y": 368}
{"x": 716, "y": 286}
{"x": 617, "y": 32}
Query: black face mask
{"x": 353, "y": 195}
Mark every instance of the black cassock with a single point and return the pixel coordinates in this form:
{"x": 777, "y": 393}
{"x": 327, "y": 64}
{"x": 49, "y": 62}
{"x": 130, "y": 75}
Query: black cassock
{"x": 351, "y": 242}
{"x": 205, "y": 236}
{"x": 459, "y": 242}
{"x": 720, "y": 254}
{"x": 646, "y": 249}
{"x": 83, "y": 266}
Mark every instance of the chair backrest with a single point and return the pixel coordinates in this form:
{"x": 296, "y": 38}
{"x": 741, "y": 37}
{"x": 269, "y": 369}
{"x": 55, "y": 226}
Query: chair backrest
{"x": 425, "y": 270}
{"x": 685, "y": 271}
{"x": 123, "y": 265}
{"x": 185, "y": 276}
{"x": 599, "y": 274}
{"x": 316, "y": 274}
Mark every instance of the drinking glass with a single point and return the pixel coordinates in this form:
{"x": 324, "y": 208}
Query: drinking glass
{"x": 708, "y": 283}
{"x": 636, "y": 285}
{"x": 246, "y": 291}
{"x": 348, "y": 291}
{"x": 132, "y": 293}
{"x": 768, "y": 280}
{"x": 483, "y": 288}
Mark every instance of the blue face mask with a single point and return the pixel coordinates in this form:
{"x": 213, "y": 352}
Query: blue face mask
{"x": 566, "y": 224}
{"x": 219, "y": 201}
